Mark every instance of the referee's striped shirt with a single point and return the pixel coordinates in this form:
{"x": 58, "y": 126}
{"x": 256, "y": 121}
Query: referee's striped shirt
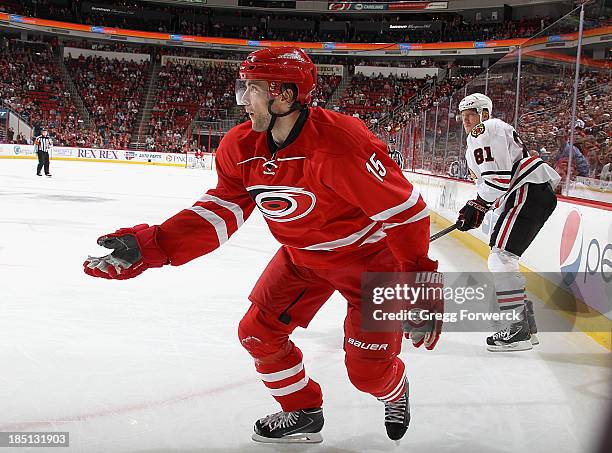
{"x": 42, "y": 143}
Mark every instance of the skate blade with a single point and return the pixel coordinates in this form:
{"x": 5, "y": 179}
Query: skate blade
{"x": 298, "y": 438}
{"x": 524, "y": 345}
{"x": 534, "y": 339}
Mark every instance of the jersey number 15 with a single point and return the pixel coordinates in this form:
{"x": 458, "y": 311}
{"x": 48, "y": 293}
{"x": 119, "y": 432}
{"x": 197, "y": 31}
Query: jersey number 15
{"x": 376, "y": 167}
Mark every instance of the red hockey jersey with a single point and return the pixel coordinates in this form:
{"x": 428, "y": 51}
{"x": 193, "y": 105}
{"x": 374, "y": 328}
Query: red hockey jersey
{"x": 330, "y": 196}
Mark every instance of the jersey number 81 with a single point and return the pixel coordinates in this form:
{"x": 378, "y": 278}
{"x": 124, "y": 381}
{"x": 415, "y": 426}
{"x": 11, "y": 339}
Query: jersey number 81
{"x": 483, "y": 156}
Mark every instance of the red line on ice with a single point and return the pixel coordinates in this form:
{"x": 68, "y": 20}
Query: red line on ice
{"x": 32, "y": 425}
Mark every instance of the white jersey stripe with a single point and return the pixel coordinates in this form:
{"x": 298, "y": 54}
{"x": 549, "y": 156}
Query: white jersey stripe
{"x": 250, "y": 159}
{"x": 420, "y": 215}
{"x": 396, "y": 394}
{"x": 283, "y": 374}
{"x": 217, "y": 222}
{"x": 409, "y": 203}
{"x": 377, "y": 236}
{"x": 393, "y": 393}
{"x": 284, "y": 391}
{"x": 283, "y": 159}
{"x": 351, "y": 239}
{"x": 236, "y": 210}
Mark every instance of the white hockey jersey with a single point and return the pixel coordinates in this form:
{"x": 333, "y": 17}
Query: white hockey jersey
{"x": 496, "y": 156}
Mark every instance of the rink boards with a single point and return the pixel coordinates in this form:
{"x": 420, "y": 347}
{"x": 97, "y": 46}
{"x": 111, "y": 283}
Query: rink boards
{"x": 10, "y": 151}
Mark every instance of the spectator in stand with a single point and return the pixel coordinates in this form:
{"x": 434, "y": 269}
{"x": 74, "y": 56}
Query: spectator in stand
{"x": 580, "y": 164}
{"x": 598, "y": 162}
{"x": 606, "y": 171}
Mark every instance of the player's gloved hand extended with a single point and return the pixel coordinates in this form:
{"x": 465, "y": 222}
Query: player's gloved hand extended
{"x": 134, "y": 251}
{"x": 472, "y": 214}
{"x": 426, "y": 311}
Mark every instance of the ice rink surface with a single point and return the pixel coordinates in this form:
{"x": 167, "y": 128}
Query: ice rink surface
{"x": 153, "y": 364}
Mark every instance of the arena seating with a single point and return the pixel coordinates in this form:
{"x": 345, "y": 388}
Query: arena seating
{"x": 32, "y": 86}
{"x": 326, "y": 86}
{"x": 184, "y": 90}
{"x": 112, "y": 92}
{"x": 545, "y": 121}
{"x": 370, "y": 97}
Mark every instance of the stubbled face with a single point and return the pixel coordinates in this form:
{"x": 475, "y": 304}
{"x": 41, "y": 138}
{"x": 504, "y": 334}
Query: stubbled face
{"x": 471, "y": 119}
{"x": 256, "y": 97}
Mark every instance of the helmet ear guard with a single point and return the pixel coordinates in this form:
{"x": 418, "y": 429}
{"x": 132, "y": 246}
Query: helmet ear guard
{"x": 296, "y": 105}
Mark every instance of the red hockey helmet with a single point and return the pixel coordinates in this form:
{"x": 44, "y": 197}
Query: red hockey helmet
{"x": 278, "y": 65}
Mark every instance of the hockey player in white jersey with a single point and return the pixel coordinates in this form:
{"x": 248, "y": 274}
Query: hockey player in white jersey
{"x": 521, "y": 188}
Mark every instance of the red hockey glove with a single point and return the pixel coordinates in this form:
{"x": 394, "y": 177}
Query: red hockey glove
{"x": 134, "y": 251}
{"x": 424, "y": 325}
{"x": 472, "y": 214}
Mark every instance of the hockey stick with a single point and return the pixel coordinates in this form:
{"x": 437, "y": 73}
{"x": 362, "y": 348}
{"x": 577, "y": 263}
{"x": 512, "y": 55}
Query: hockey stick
{"x": 444, "y": 232}
{"x": 494, "y": 205}
{"x": 454, "y": 226}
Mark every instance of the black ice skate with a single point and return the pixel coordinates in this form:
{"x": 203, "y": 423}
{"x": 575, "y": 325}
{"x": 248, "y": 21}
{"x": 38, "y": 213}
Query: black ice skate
{"x": 397, "y": 416}
{"x": 303, "y": 426}
{"x": 514, "y": 338}
{"x": 48, "y": 175}
{"x": 533, "y": 328}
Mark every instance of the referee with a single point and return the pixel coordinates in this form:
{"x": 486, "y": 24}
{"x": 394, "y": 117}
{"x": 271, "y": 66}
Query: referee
{"x": 396, "y": 156}
{"x": 43, "y": 145}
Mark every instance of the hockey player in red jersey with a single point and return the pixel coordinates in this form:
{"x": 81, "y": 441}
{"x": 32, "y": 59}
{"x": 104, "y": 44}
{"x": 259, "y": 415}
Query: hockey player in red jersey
{"x": 339, "y": 206}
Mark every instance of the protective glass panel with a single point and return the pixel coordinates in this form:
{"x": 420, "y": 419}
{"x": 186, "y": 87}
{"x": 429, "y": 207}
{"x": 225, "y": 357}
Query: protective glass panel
{"x": 536, "y": 89}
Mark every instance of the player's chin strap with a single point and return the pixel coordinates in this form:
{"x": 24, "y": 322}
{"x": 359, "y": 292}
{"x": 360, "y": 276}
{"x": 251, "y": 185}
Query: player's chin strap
{"x": 295, "y": 107}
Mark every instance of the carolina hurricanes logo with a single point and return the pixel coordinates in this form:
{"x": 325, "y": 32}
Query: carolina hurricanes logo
{"x": 282, "y": 203}
{"x": 570, "y": 252}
